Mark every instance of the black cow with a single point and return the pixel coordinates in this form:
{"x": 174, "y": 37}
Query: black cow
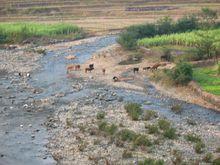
{"x": 136, "y": 70}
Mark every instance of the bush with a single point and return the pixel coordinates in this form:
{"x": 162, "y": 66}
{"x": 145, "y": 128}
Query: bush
{"x": 134, "y": 110}
{"x": 153, "y": 129}
{"x": 163, "y": 124}
{"x": 149, "y": 114}
{"x": 127, "y": 154}
{"x": 216, "y": 161}
{"x": 208, "y": 158}
{"x": 199, "y": 147}
{"x": 150, "y": 161}
{"x": 193, "y": 138}
{"x": 187, "y": 23}
{"x": 126, "y": 135}
{"x": 170, "y": 133}
{"x": 142, "y": 140}
{"x": 128, "y": 40}
{"x": 218, "y": 69}
{"x": 165, "y": 25}
{"x": 182, "y": 74}
{"x": 100, "y": 115}
{"x": 108, "y": 129}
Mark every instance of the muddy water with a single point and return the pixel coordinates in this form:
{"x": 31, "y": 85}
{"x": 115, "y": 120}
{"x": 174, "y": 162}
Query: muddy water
{"x": 23, "y": 135}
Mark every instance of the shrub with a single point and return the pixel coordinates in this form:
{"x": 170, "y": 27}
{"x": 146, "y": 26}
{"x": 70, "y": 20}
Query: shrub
{"x": 128, "y": 40}
{"x": 218, "y": 69}
{"x": 109, "y": 129}
{"x": 150, "y": 161}
{"x": 149, "y": 114}
{"x": 187, "y": 23}
{"x": 126, "y": 135}
{"x": 208, "y": 158}
{"x": 142, "y": 140}
{"x": 100, "y": 115}
{"x": 193, "y": 138}
{"x": 199, "y": 147}
{"x": 134, "y": 110}
{"x": 176, "y": 108}
{"x": 153, "y": 129}
{"x": 163, "y": 124}
{"x": 170, "y": 133}
{"x": 177, "y": 157}
{"x": 182, "y": 74}
{"x": 127, "y": 154}
{"x": 165, "y": 25}
{"x": 216, "y": 161}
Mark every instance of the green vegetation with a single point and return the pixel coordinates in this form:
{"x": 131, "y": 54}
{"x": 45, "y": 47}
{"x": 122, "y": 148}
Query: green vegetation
{"x": 100, "y": 115}
{"x": 170, "y": 133}
{"x": 199, "y": 147}
{"x": 18, "y": 32}
{"x": 182, "y": 74}
{"x": 152, "y": 129}
{"x": 193, "y": 138}
{"x": 150, "y": 161}
{"x": 107, "y": 128}
{"x": 142, "y": 140}
{"x": 216, "y": 161}
{"x": 208, "y": 158}
{"x": 208, "y": 79}
{"x": 184, "y": 39}
{"x": 164, "y": 124}
{"x": 127, "y": 154}
{"x": 126, "y": 135}
{"x": 134, "y": 110}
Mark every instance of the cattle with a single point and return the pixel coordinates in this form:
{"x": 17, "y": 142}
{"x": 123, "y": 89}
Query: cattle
{"x": 91, "y": 66}
{"x": 88, "y": 70}
{"x": 115, "y": 79}
{"x": 155, "y": 66}
{"x": 103, "y": 71}
{"x": 77, "y": 67}
{"x": 135, "y": 70}
{"x": 147, "y": 68}
{"x": 70, "y": 67}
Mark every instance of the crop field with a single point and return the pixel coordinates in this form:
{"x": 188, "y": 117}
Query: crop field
{"x": 99, "y": 15}
{"x": 18, "y": 32}
{"x": 208, "y": 79}
{"x": 183, "y": 39}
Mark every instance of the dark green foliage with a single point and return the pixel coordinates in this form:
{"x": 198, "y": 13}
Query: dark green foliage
{"x": 193, "y": 138}
{"x": 150, "y": 161}
{"x": 199, "y": 147}
{"x": 126, "y": 135}
{"x": 142, "y": 140}
{"x": 208, "y": 158}
{"x": 165, "y": 26}
{"x": 187, "y": 23}
{"x": 128, "y": 40}
{"x": 127, "y": 154}
{"x": 153, "y": 129}
{"x": 182, "y": 74}
{"x": 108, "y": 129}
{"x": 216, "y": 161}
{"x": 170, "y": 133}
{"x": 176, "y": 108}
{"x": 163, "y": 124}
{"x": 134, "y": 110}
{"x": 100, "y": 115}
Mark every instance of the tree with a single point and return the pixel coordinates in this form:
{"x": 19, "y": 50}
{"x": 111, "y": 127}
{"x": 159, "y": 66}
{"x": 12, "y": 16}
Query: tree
{"x": 209, "y": 16}
{"x": 165, "y": 25}
{"x": 208, "y": 46}
{"x": 187, "y": 23}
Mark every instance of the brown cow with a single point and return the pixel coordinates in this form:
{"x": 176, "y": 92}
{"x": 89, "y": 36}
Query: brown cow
{"x": 77, "y": 67}
{"x": 88, "y": 69}
{"x": 147, "y": 68}
{"x": 155, "y": 66}
{"x": 70, "y": 67}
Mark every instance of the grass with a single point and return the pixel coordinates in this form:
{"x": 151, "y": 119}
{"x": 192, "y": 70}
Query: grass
{"x": 199, "y": 147}
{"x": 142, "y": 140}
{"x": 134, "y": 110}
{"x": 170, "y": 133}
{"x": 153, "y": 129}
{"x": 149, "y": 114}
{"x": 150, "y": 161}
{"x": 100, "y": 115}
{"x": 18, "y": 32}
{"x": 109, "y": 129}
{"x": 208, "y": 79}
{"x": 126, "y": 135}
{"x": 164, "y": 124}
{"x": 193, "y": 138}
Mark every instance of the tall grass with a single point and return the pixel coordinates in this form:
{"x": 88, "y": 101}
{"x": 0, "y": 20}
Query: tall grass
{"x": 18, "y": 32}
{"x": 184, "y": 39}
